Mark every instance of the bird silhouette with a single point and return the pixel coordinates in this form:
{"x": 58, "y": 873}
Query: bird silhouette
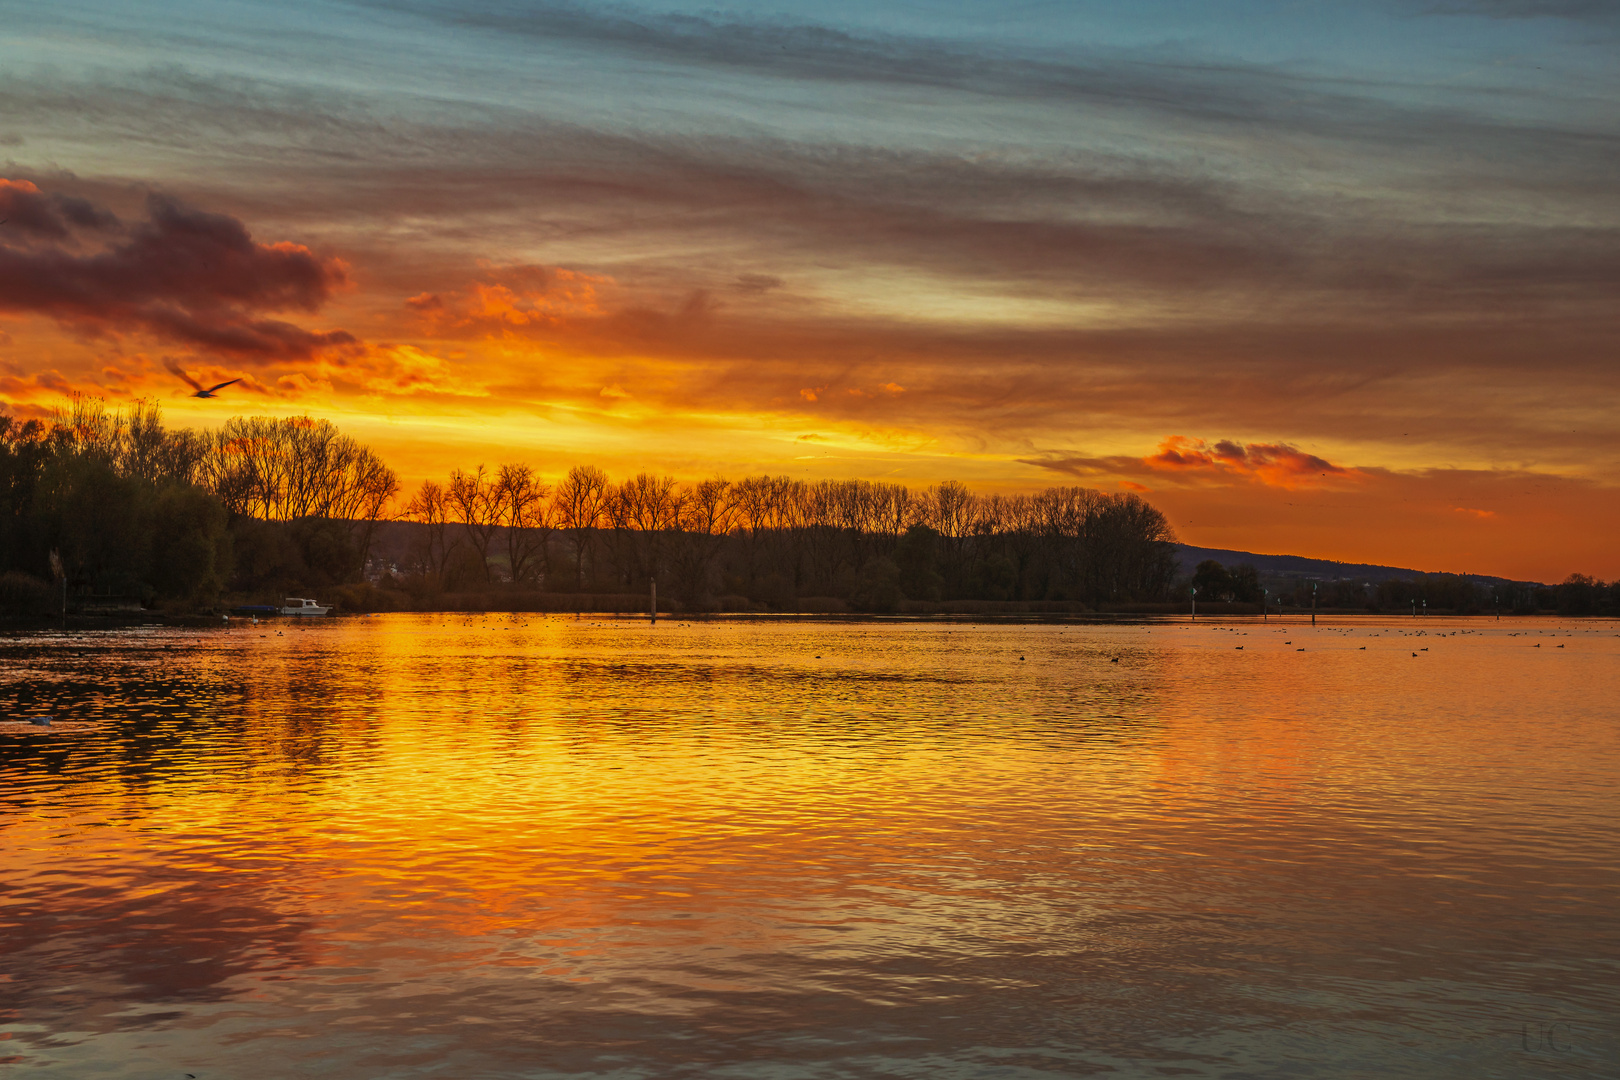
{"x": 194, "y": 384}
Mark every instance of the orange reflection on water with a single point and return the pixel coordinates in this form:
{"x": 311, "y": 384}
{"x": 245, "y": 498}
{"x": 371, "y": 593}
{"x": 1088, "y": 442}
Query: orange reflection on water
{"x": 515, "y": 841}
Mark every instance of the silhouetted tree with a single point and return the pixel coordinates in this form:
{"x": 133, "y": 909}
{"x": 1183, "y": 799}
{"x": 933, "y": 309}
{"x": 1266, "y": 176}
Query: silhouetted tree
{"x": 580, "y": 503}
{"x": 474, "y": 503}
{"x": 528, "y": 516}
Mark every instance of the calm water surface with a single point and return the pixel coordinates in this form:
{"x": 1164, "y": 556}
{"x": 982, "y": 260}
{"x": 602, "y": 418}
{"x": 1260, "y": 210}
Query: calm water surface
{"x": 530, "y": 846}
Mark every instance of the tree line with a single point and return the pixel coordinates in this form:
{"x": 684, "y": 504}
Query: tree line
{"x": 114, "y": 506}
{"x": 773, "y": 538}
{"x": 111, "y": 504}
{"x": 1578, "y": 594}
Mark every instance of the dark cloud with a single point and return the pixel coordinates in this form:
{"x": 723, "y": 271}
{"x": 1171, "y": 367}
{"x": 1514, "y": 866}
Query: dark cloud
{"x": 1086, "y": 468}
{"x": 181, "y": 274}
{"x": 31, "y": 213}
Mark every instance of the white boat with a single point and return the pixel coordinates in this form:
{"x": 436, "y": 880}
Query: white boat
{"x": 298, "y": 606}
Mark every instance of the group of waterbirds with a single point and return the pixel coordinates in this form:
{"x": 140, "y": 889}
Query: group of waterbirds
{"x": 1363, "y": 648}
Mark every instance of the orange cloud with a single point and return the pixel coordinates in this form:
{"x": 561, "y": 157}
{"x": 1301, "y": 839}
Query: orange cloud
{"x": 1274, "y": 464}
{"x": 509, "y": 297}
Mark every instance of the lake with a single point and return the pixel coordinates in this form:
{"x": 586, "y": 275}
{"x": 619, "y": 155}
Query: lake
{"x": 541, "y": 846}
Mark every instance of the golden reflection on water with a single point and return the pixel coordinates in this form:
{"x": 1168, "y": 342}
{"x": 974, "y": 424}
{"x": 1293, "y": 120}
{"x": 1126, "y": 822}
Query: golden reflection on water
{"x": 537, "y": 846}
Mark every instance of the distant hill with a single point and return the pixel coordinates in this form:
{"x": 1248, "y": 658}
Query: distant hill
{"x": 1299, "y": 567}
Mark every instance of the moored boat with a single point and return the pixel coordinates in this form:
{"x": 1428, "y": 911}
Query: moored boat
{"x": 299, "y": 606}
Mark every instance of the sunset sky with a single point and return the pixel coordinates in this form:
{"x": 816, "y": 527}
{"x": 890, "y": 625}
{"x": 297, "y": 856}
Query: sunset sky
{"x": 1331, "y": 279}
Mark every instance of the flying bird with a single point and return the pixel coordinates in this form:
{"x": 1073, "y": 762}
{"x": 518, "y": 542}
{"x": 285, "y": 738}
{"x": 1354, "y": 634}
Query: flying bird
{"x": 194, "y": 384}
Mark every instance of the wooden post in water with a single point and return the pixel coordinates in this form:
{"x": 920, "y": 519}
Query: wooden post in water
{"x": 655, "y": 600}
{"x": 1313, "y": 603}
{"x": 60, "y": 571}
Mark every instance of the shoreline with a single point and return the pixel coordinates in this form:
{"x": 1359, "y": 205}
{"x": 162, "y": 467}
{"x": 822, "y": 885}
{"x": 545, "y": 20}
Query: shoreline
{"x": 125, "y": 620}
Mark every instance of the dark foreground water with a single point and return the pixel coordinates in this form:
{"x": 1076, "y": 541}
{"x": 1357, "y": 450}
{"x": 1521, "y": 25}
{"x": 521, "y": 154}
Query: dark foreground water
{"x": 524, "y": 846}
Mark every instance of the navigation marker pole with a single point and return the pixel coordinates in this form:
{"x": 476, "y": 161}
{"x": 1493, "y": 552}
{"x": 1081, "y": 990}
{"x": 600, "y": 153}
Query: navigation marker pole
{"x": 61, "y": 572}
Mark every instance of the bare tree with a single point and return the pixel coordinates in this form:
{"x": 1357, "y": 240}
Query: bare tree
{"x": 893, "y": 512}
{"x": 431, "y": 507}
{"x": 473, "y": 499}
{"x": 579, "y": 504}
{"x": 708, "y": 514}
{"x": 363, "y": 500}
{"x": 644, "y": 509}
{"x": 528, "y": 517}
{"x": 288, "y": 469}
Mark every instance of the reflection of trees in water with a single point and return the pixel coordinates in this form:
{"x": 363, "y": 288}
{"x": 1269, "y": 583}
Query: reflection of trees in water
{"x": 313, "y": 710}
{"x": 172, "y": 705}
{"x": 151, "y": 705}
